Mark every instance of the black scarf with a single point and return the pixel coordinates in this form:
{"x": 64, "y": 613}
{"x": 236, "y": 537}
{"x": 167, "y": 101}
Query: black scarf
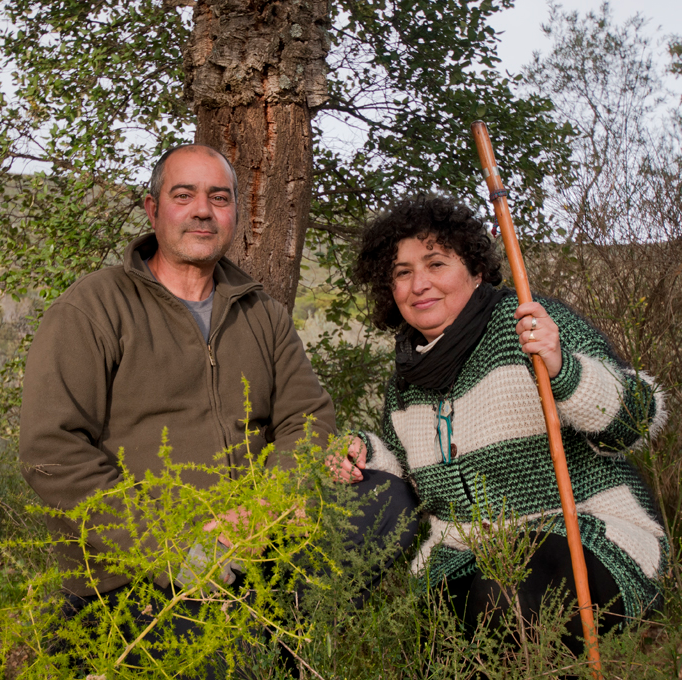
{"x": 439, "y": 367}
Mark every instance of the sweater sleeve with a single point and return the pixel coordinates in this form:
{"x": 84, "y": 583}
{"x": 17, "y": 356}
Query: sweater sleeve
{"x": 379, "y": 457}
{"x": 614, "y": 406}
{"x": 386, "y": 453}
{"x": 296, "y": 393}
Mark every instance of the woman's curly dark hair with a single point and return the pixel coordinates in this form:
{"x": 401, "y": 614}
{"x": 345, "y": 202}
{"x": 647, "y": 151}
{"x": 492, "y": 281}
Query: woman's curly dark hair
{"x": 455, "y": 227}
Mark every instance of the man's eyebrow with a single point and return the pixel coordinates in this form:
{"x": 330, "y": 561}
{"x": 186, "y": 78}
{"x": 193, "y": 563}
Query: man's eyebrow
{"x": 191, "y": 187}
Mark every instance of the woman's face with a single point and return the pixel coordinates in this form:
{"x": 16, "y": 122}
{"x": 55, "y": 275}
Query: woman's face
{"x": 431, "y": 285}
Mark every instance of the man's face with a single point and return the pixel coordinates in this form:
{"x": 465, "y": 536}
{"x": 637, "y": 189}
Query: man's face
{"x": 195, "y": 216}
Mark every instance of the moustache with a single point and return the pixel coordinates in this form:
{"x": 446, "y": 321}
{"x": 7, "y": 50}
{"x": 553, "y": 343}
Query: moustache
{"x": 201, "y": 225}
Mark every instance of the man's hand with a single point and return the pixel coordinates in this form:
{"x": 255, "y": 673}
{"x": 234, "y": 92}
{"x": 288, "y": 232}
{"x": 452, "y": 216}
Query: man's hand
{"x": 233, "y": 517}
{"x": 348, "y": 467}
{"x": 239, "y": 518}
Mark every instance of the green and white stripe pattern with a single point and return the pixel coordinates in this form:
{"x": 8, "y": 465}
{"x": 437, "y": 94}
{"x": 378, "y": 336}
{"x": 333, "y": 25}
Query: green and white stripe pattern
{"x": 500, "y": 437}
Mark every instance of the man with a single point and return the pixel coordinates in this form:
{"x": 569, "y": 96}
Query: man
{"x": 162, "y": 341}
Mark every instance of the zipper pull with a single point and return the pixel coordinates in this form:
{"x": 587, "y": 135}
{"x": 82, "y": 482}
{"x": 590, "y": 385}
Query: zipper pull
{"x": 210, "y": 355}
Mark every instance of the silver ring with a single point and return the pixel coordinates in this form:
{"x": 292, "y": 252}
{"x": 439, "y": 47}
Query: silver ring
{"x": 531, "y": 336}
{"x": 533, "y": 323}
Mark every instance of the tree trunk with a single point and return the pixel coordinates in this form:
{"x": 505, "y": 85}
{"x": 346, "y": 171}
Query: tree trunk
{"x": 256, "y": 73}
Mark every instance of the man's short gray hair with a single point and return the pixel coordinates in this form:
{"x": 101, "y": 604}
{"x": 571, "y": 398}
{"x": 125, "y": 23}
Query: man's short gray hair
{"x": 156, "y": 181}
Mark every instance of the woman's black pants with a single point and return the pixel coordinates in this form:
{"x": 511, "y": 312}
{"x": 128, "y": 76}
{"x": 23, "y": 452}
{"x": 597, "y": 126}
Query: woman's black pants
{"x": 550, "y": 566}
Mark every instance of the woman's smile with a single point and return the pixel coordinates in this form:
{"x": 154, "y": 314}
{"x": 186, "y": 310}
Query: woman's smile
{"x": 431, "y": 285}
{"x": 425, "y": 304}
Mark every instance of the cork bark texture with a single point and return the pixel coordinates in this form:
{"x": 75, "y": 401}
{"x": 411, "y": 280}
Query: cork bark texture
{"x": 255, "y": 72}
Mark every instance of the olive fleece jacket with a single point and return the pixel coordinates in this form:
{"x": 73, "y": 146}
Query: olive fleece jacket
{"x": 118, "y": 357}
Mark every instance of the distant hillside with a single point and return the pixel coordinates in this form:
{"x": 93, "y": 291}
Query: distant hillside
{"x": 13, "y": 324}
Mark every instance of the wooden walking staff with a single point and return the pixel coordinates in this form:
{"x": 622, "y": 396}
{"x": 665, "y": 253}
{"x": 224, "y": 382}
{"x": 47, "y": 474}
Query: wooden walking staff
{"x": 498, "y": 196}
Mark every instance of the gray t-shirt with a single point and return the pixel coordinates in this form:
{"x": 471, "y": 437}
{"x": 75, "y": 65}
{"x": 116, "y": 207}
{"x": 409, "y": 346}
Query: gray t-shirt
{"x": 201, "y": 310}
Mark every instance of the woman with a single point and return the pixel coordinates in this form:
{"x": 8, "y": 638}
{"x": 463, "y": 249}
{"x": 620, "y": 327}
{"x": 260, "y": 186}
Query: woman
{"x": 463, "y": 409}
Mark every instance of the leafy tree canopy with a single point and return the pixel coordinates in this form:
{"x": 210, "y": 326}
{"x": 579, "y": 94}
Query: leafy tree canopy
{"x": 675, "y": 49}
{"x": 604, "y": 80}
{"x": 99, "y": 95}
{"x": 414, "y": 76}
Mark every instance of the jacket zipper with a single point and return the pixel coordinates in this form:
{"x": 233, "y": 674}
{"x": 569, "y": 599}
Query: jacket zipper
{"x": 211, "y": 357}
{"x": 214, "y": 386}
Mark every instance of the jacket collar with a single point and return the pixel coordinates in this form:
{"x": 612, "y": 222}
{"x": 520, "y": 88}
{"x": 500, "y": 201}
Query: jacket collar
{"x": 231, "y": 281}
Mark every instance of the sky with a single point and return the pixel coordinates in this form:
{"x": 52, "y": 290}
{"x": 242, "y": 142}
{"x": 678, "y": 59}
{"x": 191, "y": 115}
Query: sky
{"x": 523, "y": 35}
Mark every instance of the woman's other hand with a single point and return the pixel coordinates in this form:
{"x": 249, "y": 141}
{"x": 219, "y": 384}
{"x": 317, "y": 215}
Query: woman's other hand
{"x": 538, "y": 334}
{"x": 348, "y": 467}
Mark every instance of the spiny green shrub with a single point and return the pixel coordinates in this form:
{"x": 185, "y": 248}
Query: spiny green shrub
{"x": 277, "y": 525}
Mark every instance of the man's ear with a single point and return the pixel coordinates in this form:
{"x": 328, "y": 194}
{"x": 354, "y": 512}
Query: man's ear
{"x": 150, "y": 209}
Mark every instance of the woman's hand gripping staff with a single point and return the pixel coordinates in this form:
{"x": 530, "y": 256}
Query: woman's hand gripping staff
{"x": 539, "y": 335}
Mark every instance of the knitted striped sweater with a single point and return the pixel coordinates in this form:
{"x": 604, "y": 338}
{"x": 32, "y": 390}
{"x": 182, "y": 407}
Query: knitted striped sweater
{"x": 500, "y": 436}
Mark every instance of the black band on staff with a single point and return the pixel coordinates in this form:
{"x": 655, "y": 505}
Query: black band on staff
{"x": 494, "y": 195}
